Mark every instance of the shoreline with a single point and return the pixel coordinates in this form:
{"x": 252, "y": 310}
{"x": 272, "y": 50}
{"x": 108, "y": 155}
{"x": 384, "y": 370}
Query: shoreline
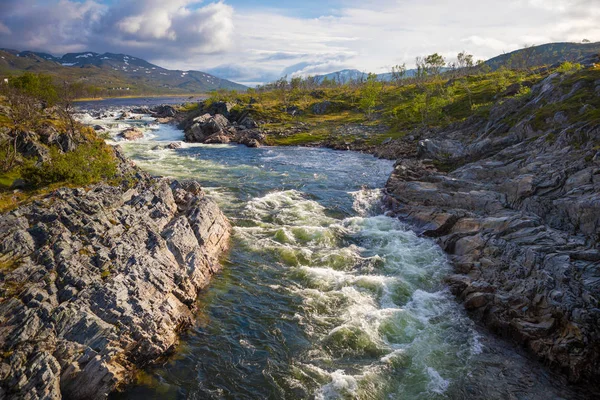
{"x": 518, "y": 234}
{"x": 154, "y": 96}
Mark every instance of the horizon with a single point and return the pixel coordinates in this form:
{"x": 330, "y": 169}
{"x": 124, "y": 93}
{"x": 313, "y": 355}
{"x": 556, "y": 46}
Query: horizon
{"x": 257, "y": 42}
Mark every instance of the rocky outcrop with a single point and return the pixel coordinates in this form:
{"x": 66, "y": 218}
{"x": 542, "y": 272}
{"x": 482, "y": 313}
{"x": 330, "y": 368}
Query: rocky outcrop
{"x": 210, "y": 129}
{"x": 98, "y": 281}
{"x": 220, "y": 122}
{"x": 518, "y": 211}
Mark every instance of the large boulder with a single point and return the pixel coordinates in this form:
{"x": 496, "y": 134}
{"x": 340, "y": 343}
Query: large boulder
{"x": 207, "y": 128}
{"x": 132, "y": 133}
{"x": 220, "y": 108}
{"x": 164, "y": 111}
{"x": 251, "y": 138}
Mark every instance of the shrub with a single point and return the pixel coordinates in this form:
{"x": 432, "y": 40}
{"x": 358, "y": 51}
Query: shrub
{"x": 88, "y": 163}
{"x": 568, "y": 67}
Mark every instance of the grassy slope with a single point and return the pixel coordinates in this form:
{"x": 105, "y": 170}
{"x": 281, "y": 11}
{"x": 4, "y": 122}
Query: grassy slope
{"x": 414, "y": 106}
{"x": 104, "y": 78}
{"x": 91, "y": 162}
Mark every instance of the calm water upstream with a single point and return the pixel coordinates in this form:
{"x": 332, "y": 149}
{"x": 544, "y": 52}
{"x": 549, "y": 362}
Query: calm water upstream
{"x": 321, "y": 296}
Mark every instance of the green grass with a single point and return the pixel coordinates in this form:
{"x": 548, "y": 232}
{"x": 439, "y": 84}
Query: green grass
{"x": 433, "y": 103}
{"x": 7, "y": 178}
{"x": 300, "y": 139}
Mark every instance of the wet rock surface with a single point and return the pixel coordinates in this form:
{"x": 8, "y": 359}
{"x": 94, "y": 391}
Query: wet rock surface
{"x": 97, "y": 282}
{"x": 518, "y": 211}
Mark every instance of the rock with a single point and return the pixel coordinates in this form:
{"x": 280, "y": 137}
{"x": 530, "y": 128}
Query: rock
{"x": 248, "y": 123}
{"x": 98, "y": 283}
{"x": 18, "y": 184}
{"x": 560, "y": 118}
{"x": 517, "y": 210}
{"x": 28, "y": 145}
{"x": 219, "y": 108}
{"x": 141, "y": 110}
{"x": 164, "y": 111}
{"x": 174, "y": 145}
{"x": 442, "y": 150}
{"x": 476, "y": 300}
{"x": 250, "y": 138}
{"x": 132, "y": 133}
{"x": 124, "y": 115}
{"x": 512, "y": 90}
{"x": 292, "y": 110}
{"x": 321, "y": 107}
{"x": 209, "y": 128}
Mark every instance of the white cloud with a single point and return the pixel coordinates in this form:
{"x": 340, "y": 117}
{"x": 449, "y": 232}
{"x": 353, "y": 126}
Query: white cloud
{"x": 253, "y": 44}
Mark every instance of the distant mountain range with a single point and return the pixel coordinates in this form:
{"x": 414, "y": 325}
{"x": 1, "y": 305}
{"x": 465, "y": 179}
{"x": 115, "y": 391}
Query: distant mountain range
{"x": 546, "y": 54}
{"x": 353, "y": 75}
{"x": 113, "y": 72}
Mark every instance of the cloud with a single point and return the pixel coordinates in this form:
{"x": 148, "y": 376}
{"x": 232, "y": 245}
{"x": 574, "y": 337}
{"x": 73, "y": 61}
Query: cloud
{"x": 147, "y": 28}
{"x": 4, "y": 29}
{"x": 254, "y": 44}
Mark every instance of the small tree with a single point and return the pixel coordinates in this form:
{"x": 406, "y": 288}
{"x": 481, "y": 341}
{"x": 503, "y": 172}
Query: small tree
{"x": 370, "y": 94}
{"x": 421, "y": 68}
{"x": 398, "y": 74}
{"x": 66, "y": 108}
{"x": 434, "y": 63}
{"x": 464, "y": 60}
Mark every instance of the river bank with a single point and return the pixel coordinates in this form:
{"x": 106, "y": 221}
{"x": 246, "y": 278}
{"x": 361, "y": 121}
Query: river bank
{"x": 98, "y": 281}
{"x": 514, "y": 198}
{"x": 262, "y": 240}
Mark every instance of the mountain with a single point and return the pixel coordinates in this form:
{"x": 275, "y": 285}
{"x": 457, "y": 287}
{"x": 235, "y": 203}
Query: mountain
{"x": 115, "y": 72}
{"x": 353, "y": 75}
{"x": 546, "y": 54}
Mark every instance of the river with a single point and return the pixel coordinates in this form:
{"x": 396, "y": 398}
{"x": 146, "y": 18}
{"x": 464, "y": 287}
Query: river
{"x": 321, "y": 296}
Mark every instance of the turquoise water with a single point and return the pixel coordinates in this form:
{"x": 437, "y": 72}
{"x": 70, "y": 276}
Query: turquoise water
{"x": 322, "y": 296}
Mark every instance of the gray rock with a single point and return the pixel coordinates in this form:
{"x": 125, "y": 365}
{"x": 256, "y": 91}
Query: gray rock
{"x": 519, "y": 216}
{"x": 220, "y": 107}
{"x": 174, "y": 145}
{"x": 97, "y": 282}
{"x": 321, "y": 107}
{"x": 164, "y": 111}
{"x": 132, "y": 133}
{"x": 210, "y": 129}
{"x": 442, "y": 150}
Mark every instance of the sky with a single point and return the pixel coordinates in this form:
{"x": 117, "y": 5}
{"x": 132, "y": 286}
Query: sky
{"x": 259, "y": 41}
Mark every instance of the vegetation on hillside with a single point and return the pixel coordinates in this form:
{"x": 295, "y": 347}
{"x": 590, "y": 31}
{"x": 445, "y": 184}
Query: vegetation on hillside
{"x": 41, "y": 144}
{"x": 433, "y": 98}
{"x": 98, "y": 77}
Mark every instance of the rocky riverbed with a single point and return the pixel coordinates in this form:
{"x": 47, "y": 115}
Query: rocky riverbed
{"x": 98, "y": 281}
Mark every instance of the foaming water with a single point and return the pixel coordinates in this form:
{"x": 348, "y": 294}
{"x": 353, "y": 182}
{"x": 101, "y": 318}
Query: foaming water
{"x": 321, "y": 296}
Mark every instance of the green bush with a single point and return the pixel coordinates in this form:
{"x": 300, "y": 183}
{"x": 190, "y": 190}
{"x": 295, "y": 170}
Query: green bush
{"x": 568, "y": 67}
{"x": 88, "y": 163}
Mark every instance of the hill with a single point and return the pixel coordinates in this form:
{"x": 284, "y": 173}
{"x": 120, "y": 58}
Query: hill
{"x": 550, "y": 54}
{"x": 546, "y": 54}
{"x": 113, "y": 74}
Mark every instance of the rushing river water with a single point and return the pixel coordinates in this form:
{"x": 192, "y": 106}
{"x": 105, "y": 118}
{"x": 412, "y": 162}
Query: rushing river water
{"x": 322, "y": 296}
